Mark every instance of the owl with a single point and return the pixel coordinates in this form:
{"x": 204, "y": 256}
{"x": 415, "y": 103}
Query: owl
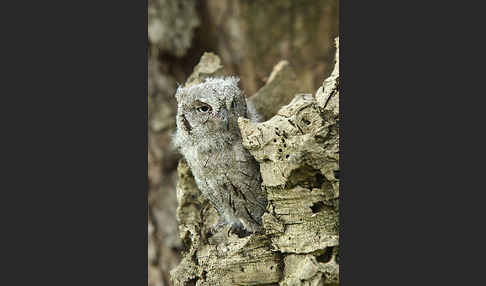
{"x": 209, "y": 139}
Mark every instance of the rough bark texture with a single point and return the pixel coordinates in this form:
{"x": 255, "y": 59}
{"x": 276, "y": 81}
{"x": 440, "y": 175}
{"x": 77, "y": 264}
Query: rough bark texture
{"x": 298, "y": 153}
{"x": 251, "y": 37}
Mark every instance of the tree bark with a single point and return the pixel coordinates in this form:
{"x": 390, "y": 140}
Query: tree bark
{"x": 298, "y": 153}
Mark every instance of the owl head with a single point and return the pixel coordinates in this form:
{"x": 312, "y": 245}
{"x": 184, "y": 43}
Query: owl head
{"x": 210, "y": 109}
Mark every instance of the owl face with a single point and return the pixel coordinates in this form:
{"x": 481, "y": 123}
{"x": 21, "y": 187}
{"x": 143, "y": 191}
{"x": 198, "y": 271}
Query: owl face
{"x": 211, "y": 107}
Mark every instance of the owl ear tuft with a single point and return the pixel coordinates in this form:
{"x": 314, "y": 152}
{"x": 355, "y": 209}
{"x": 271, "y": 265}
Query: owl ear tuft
{"x": 179, "y": 93}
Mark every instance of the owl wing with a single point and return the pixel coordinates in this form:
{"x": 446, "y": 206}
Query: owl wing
{"x": 245, "y": 195}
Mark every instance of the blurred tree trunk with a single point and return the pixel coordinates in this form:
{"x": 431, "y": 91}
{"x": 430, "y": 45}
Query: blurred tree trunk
{"x": 253, "y": 36}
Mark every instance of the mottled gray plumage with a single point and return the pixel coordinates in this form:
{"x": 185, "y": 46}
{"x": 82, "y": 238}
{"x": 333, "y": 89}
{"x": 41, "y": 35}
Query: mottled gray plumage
{"x": 210, "y": 140}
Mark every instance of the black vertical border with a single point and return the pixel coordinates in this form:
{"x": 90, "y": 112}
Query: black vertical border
{"x": 405, "y": 84}
{"x": 76, "y": 181}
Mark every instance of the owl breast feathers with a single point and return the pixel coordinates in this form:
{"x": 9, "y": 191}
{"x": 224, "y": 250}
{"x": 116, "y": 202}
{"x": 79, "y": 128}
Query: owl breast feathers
{"x": 209, "y": 138}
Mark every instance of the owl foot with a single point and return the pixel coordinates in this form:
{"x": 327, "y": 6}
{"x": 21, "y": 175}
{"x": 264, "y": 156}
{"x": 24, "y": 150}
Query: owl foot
{"x": 234, "y": 227}
{"x": 239, "y": 230}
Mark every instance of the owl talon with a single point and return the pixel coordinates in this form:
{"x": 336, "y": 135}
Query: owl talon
{"x": 239, "y": 230}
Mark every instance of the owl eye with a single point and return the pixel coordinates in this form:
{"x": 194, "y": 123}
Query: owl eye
{"x": 203, "y": 108}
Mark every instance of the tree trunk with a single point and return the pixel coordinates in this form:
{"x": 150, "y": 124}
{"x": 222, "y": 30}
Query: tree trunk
{"x": 251, "y": 37}
{"x": 298, "y": 152}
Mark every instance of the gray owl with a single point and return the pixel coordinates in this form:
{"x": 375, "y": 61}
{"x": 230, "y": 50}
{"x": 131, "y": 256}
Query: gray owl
{"x": 209, "y": 138}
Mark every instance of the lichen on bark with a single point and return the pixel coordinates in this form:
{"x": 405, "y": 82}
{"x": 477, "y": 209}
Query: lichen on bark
{"x": 298, "y": 153}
